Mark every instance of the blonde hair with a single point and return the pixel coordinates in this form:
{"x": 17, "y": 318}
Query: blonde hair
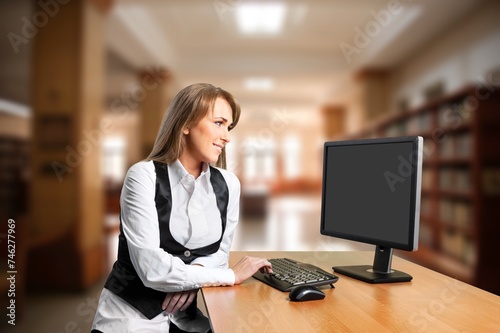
{"x": 187, "y": 108}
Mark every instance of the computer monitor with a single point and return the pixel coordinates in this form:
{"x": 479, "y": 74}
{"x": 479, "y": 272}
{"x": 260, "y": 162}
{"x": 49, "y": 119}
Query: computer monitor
{"x": 371, "y": 194}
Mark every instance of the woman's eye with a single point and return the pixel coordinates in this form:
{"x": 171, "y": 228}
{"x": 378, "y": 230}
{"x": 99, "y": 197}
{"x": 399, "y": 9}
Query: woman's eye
{"x": 218, "y": 123}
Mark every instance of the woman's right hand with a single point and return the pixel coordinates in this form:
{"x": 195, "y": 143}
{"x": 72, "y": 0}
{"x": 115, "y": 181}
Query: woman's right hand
{"x": 178, "y": 301}
{"x": 247, "y": 266}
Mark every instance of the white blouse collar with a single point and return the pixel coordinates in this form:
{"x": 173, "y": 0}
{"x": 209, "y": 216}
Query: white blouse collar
{"x": 177, "y": 172}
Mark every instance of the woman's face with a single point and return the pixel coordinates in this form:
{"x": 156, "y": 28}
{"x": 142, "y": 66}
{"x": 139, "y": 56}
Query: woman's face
{"x": 205, "y": 140}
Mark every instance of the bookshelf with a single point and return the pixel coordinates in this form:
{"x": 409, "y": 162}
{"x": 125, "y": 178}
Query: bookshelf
{"x": 460, "y": 215}
{"x": 14, "y": 164}
{"x": 14, "y": 159}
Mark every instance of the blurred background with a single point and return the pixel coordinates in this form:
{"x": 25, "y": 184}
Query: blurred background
{"x": 84, "y": 85}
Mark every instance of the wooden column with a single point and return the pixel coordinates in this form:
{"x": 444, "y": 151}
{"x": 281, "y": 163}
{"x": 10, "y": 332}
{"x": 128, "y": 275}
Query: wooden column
{"x": 155, "y": 86}
{"x": 66, "y": 199}
{"x": 333, "y": 120}
{"x": 374, "y": 93}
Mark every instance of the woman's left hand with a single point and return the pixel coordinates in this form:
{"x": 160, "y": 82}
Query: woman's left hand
{"x": 178, "y": 301}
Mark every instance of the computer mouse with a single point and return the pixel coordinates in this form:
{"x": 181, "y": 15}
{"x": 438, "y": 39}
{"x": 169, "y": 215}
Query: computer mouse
{"x": 306, "y": 293}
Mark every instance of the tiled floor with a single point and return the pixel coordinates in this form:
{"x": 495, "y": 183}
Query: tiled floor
{"x": 291, "y": 224}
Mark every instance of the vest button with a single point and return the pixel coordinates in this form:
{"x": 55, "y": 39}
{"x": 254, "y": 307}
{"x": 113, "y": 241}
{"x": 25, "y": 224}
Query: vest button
{"x": 187, "y": 253}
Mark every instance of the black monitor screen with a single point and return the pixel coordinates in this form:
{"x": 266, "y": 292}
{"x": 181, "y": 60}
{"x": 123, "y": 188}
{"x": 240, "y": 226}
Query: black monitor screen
{"x": 371, "y": 191}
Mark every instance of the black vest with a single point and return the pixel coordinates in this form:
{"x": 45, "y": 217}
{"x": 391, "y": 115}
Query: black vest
{"x": 123, "y": 279}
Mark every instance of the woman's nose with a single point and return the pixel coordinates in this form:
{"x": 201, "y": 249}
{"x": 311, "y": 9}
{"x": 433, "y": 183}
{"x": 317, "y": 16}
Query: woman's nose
{"x": 225, "y": 135}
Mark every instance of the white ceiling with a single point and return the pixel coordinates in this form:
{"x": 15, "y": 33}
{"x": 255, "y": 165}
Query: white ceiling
{"x": 199, "y": 41}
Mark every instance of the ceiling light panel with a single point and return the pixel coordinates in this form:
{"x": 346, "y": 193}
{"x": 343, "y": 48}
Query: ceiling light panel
{"x": 264, "y": 18}
{"x": 261, "y": 84}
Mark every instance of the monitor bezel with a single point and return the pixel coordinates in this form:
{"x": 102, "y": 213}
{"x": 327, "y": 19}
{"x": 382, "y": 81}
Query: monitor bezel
{"x": 415, "y": 178}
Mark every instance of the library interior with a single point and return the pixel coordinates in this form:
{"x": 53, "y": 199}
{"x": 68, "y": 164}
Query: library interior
{"x": 85, "y": 84}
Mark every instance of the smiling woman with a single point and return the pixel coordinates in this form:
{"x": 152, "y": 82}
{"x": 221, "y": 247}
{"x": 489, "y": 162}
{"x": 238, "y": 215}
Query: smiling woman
{"x": 205, "y": 141}
{"x": 193, "y": 104}
{"x": 178, "y": 213}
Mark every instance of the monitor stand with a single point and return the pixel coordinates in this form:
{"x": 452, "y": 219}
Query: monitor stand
{"x": 380, "y": 272}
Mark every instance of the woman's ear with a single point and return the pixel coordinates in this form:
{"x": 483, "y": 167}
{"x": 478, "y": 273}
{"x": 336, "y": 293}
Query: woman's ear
{"x": 185, "y": 130}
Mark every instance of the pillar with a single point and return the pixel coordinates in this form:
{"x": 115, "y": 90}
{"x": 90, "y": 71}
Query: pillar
{"x": 374, "y": 93}
{"x": 155, "y": 86}
{"x": 66, "y": 200}
{"x": 333, "y": 120}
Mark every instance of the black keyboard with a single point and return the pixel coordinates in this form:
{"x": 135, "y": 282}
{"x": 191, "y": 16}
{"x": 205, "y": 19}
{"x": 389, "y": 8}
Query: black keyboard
{"x": 288, "y": 273}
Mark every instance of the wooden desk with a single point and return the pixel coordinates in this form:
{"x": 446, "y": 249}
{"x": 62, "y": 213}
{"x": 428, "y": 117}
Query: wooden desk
{"x": 431, "y": 302}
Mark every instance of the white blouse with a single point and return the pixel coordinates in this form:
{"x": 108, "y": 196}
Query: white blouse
{"x": 194, "y": 222}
